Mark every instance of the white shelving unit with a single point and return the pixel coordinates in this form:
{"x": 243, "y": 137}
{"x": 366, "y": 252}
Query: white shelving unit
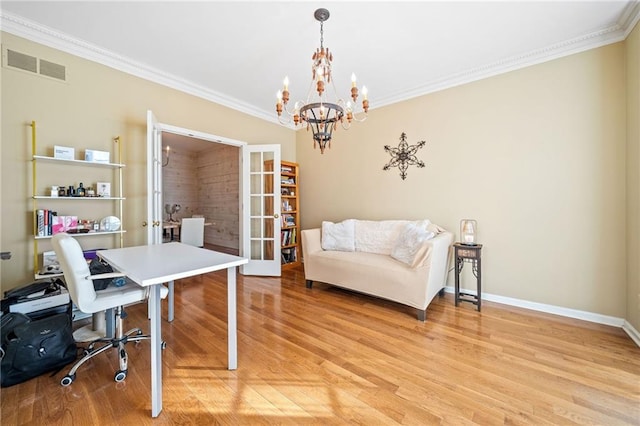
{"x": 79, "y": 203}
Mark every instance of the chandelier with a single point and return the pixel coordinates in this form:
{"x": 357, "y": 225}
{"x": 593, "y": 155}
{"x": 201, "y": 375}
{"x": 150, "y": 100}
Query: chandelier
{"x": 321, "y": 115}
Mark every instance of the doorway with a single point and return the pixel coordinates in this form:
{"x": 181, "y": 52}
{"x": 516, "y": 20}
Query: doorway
{"x": 259, "y": 203}
{"x": 202, "y": 178}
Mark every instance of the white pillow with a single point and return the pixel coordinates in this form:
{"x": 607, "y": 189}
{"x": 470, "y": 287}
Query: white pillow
{"x": 409, "y": 242}
{"x": 339, "y": 236}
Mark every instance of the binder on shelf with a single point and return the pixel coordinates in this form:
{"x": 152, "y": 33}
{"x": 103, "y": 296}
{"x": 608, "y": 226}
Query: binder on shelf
{"x": 40, "y": 223}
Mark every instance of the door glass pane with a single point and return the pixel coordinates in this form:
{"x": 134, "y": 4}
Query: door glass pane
{"x": 268, "y": 250}
{"x": 268, "y": 227}
{"x": 268, "y": 183}
{"x": 255, "y": 165}
{"x": 268, "y": 206}
{"x": 256, "y": 250}
{"x": 256, "y": 205}
{"x": 256, "y": 231}
{"x": 256, "y": 184}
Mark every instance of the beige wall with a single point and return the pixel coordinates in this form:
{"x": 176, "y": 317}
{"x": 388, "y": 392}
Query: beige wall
{"x": 633, "y": 177}
{"x": 536, "y": 156}
{"x": 95, "y": 105}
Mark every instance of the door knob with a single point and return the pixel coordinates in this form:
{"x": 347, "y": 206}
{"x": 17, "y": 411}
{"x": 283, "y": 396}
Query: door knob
{"x": 144, "y": 223}
{"x": 156, "y": 223}
{"x": 275, "y": 216}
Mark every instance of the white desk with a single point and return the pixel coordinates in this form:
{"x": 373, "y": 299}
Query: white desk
{"x": 151, "y": 266}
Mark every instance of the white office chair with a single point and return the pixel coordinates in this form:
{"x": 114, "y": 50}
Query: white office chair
{"x": 80, "y": 285}
{"x": 192, "y": 231}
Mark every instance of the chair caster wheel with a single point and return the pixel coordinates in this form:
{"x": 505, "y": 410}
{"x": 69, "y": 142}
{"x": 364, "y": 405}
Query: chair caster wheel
{"x": 67, "y": 380}
{"x": 85, "y": 352}
{"x": 163, "y": 345}
{"x": 120, "y": 376}
{"x": 139, "y": 332}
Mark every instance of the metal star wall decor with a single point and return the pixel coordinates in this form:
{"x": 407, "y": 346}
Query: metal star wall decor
{"x": 404, "y": 156}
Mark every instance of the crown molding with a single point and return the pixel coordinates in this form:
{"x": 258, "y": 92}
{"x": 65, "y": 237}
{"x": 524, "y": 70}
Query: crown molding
{"x": 630, "y": 17}
{"x": 41, "y": 34}
{"x": 21, "y": 27}
{"x": 613, "y": 34}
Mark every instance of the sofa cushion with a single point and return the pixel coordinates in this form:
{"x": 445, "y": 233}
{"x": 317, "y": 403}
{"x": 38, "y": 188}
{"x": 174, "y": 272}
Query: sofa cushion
{"x": 410, "y": 247}
{"x": 379, "y": 236}
{"x": 338, "y": 236}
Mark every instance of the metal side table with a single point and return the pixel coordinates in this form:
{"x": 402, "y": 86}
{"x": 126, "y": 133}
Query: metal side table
{"x": 471, "y": 254}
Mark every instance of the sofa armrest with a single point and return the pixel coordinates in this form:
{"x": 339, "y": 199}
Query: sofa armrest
{"x": 440, "y": 257}
{"x": 311, "y": 242}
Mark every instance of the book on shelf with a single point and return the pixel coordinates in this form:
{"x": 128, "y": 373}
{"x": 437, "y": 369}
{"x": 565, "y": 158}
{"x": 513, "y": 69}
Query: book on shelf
{"x": 45, "y": 220}
{"x": 289, "y": 236}
{"x": 289, "y": 255}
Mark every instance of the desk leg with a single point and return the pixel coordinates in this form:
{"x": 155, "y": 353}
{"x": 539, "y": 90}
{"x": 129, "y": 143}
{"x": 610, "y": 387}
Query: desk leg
{"x": 171, "y": 311}
{"x": 232, "y": 327}
{"x": 156, "y": 350}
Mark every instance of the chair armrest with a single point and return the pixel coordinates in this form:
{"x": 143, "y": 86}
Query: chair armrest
{"x": 106, "y": 275}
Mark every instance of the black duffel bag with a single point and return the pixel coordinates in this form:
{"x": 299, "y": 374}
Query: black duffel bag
{"x": 31, "y": 348}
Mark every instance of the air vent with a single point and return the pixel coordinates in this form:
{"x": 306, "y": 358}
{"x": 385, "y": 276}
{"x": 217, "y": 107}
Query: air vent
{"x": 22, "y": 61}
{"x": 32, "y": 64}
{"x": 53, "y": 70}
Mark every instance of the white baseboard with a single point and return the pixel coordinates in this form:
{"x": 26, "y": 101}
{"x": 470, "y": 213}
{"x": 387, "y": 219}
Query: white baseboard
{"x": 632, "y": 332}
{"x": 559, "y": 310}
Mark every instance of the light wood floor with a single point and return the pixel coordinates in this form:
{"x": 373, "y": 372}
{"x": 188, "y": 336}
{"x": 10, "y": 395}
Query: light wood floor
{"x": 328, "y": 356}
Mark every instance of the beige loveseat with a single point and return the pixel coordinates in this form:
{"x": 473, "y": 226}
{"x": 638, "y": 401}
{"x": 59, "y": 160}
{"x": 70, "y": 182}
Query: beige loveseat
{"x": 399, "y": 260}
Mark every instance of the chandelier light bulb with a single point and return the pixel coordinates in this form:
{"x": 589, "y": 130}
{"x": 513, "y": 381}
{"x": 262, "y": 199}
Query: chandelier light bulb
{"x": 353, "y": 80}
{"x": 364, "y": 93}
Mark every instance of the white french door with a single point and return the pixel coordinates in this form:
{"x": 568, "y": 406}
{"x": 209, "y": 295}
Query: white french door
{"x": 259, "y": 203}
{"x": 154, "y": 180}
{"x": 261, "y": 210}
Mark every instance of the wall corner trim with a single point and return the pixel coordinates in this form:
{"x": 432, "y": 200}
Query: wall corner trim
{"x": 632, "y": 332}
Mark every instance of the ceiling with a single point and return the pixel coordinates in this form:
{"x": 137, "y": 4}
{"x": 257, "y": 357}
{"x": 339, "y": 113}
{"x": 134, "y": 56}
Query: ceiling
{"x": 237, "y": 53}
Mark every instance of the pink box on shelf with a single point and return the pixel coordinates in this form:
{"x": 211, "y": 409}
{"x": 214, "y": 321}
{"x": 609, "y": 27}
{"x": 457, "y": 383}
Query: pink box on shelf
{"x": 63, "y": 223}
{"x": 70, "y": 222}
{"x": 57, "y": 224}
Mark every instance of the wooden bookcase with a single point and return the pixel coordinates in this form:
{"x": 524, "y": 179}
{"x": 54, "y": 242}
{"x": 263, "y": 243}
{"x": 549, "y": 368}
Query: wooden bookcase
{"x": 290, "y": 247}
